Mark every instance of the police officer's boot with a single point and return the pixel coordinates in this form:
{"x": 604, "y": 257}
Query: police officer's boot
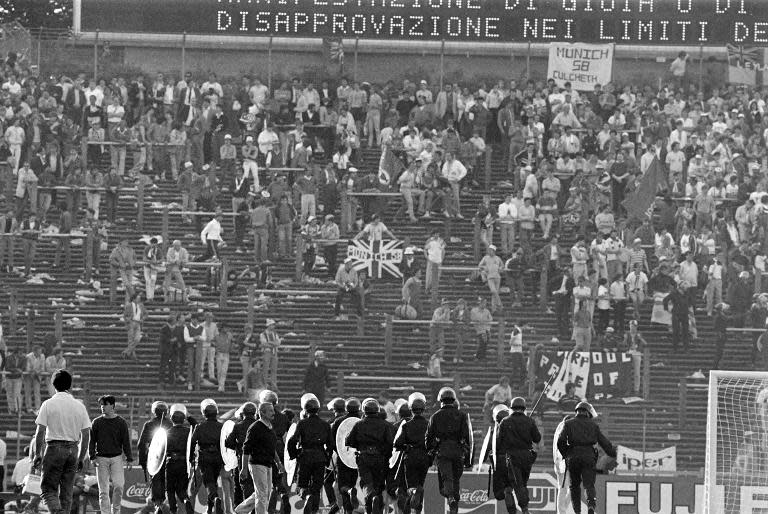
{"x": 217, "y": 506}
{"x": 158, "y": 509}
{"x": 377, "y": 505}
{"x": 418, "y": 500}
{"x": 189, "y": 507}
{"x": 509, "y": 501}
{"x": 453, "y": 506}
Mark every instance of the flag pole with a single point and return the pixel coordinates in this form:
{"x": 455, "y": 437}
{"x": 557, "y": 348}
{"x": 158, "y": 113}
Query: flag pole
{"x": 701, "y": 66}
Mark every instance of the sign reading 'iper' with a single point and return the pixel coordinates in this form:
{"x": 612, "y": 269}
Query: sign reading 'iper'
{"x": 665, "y": 22}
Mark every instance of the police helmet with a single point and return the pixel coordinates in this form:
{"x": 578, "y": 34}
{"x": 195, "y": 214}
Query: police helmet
{"x": 336, "y": 405}
{"x": 446, "y": 395}
{"x": 518, "y": 403}
{"x": 208, "y": 407}
{"x": 402, "y": 409}
{"x": 417, "y": 402}
{"x": 352, "y": 406}
{"x": 178, "y": 413}
{"x": 267, "y": 396}
{"x": 159, "y": 408}
{"x": 584, "y": 407}
{"x": 312, "y": 405}
{"x": 500, "y": 412}
{"x": 371, "y": 406}
{"x": 248, "y": 409}
{"x": 305, "y": 398}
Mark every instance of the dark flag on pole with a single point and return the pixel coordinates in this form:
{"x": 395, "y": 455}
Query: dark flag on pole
{"x": 639, "y": 204}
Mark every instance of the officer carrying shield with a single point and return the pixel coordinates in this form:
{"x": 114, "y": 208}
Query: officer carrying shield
{"x": 206, "y": 439}
{"x": 176, "y": 478}
{"x": 310, "y": 445}
{"x": 411, "y": 441}
{"x": 159, "y": 419}
{"x": 516, "y": 436}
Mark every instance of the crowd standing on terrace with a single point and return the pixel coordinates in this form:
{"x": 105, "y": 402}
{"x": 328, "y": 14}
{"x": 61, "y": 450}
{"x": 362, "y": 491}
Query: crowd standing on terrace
{"x": 290, "y": 157}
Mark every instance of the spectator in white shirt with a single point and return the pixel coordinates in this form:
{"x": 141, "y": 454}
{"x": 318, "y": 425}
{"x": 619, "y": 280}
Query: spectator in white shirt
{"x": 637, "y": 284}
{"x": 454, "y": 172}
{"x": 434, "y": 251}
{"x": 507, "y": 221}
{"x": 211, "y": 237}
{"x": 714, "y": 291}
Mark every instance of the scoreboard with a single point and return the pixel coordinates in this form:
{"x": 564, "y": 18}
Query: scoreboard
{"x": 629, "y": 22}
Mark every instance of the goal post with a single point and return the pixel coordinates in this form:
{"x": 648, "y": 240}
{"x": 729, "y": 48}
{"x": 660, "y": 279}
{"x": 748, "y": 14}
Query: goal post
{"x": 736, "y": 465}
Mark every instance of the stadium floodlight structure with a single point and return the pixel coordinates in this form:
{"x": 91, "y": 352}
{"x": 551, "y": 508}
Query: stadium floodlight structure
{"x": 736, "y": 469}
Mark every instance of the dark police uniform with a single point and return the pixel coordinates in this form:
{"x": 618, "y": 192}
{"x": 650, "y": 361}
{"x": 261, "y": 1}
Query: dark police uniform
{"x": 330, "y": 477}
{"x": 372, "y": 437}
{"x": 416, "y": 461}
{"x": 206, "y": 437}
{"x": 576, "y": 444}
{"x": 346, "y": 477}
{"x": 310, "y": 445}
{"x": 448, "y": 435}
{"x": 514, "y": 458}
{"x": 234, "y": 441}
{"x": 157, "y": 482}
{"x": 176, "y": 479}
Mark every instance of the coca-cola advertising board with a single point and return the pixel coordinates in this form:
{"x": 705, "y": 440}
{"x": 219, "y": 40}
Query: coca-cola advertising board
{"x": 616, "y": 494}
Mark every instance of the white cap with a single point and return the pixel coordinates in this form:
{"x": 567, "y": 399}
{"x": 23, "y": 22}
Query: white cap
{"x": 348, "y": 259}
{"x": 208, "y": 402}
{"x": 227, "y": 136}
{"x": 352, "y": 169}
{"x": 311, "y": 218}
{"x": 409, "y": 251}
{"x": 249, "y": 138}
{"x": 206, "y": 167}
{"x": 492, "y": 247}
{"x": 270, "y": 322}
{"x": 188, "y": 164}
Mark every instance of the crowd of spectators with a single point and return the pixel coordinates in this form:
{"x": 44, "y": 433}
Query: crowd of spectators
{"x": 288, "y": 156}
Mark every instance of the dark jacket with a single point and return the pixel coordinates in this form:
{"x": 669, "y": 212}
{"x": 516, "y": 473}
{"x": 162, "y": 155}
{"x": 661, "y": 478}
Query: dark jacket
{"x": 260, "y": 444}
{"x": 371, "y": 436}
{"x": 236, "y": 438}
{"x": 580, "y": 435}
{"x": 312, "y": 440}
{"x": 176, "y": 448}
{"x": 207, "y": 437}
{"x": 679, "y": 303}
{"x": 448, "y": 433}
{"x": 317, "y": 379}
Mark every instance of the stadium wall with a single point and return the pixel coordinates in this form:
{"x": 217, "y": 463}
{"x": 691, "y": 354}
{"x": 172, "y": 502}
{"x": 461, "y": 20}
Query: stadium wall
{"x": 373, "y": 62}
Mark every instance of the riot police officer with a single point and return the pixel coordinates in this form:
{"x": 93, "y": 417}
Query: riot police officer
{"x": 449, "y": 438}
{"x": 234, "y": 441}
{"x": 346, "y": 477}
{"x": 372, "y": 437}
{"x": 515, "y": 455}
{"x": 159, "y": 419}
{"x": 396, "y": 475}
{"x": 206, "y": 439}
{"x": 310, "y": 445}
{"x": 176, "y": 478}
{"x": 499, "y": 413}
{"x": 410, "y": 440}
{"x": 576, "y": 444}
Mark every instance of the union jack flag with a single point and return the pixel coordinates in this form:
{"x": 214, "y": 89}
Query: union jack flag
{"x": 376, "y": 257}
{"x": 744, "y": 57}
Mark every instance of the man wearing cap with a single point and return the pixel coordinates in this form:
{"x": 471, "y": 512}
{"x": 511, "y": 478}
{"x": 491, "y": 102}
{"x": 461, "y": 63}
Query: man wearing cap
{"x": 109, "y": 448}
{"x": 490, "y": 268}
{"x": 347, "y": 282}
{"x": 329, "y": 230}
{"x": 175, "y": 259}
{"x": 317, "y": 377}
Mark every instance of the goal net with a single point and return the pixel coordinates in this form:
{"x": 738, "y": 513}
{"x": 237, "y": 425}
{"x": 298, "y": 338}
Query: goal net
{"x": 736, "y": 469}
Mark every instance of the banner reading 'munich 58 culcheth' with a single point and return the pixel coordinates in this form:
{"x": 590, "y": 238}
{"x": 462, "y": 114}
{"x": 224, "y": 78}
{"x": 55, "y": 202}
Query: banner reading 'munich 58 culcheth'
{"x": 581, "y": 64}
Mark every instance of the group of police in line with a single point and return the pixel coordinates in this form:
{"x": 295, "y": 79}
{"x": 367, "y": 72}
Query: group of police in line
{"x": 193, "y": 454}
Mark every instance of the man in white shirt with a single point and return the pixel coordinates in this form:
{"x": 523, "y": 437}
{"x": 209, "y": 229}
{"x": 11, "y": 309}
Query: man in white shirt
{"x": 507, "y": 220}
{"x": 434, "y": 250}
{"x": 637, "y": 283}
{"x": 15, "y": 137}
{"x": 618, "y": 293}
{"x": 454, "y": 172}
{"x": 62, "y": 425}
{"x": 211, "y": 237}
{"x": 647, "y": 159}
{"x": 258, "y": 93}
{"x": 714, "y": 291}
{"x": 689, "y": 273}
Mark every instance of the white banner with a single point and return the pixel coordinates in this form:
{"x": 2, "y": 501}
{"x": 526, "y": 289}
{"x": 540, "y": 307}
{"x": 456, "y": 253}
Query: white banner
{"x": 580, "y": 64}
{"x": 633, "y": 460}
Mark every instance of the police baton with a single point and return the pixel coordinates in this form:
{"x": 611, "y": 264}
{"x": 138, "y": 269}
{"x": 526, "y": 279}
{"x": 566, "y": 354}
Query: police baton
{"x": 543, "y": 392}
